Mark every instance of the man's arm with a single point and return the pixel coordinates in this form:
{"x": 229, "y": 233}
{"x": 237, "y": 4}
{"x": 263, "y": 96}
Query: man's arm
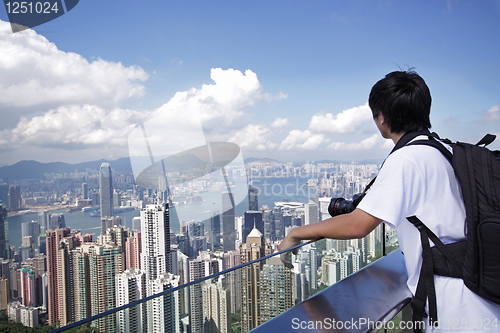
{"x": 356, "y": 224}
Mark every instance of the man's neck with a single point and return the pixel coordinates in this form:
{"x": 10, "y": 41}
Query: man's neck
{"x": 395, "y": 137}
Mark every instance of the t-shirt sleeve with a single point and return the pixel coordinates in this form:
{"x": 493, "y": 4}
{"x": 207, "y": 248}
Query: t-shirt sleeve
{"x": 396, "y": 192}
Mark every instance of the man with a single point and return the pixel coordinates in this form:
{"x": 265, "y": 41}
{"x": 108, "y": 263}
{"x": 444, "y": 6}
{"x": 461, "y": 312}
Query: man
{"x": 414, "y": 180}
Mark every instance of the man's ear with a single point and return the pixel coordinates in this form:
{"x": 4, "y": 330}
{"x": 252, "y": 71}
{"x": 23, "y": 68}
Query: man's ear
{"x": 380, "y": 118}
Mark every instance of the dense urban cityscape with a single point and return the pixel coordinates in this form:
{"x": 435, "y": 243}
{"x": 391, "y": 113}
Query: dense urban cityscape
{"x": 60, "y": 275}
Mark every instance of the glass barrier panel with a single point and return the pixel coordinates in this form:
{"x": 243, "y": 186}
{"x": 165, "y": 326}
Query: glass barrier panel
{"x": 204, "y": 297}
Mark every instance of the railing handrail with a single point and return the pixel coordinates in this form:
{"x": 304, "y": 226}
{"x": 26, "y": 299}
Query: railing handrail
{"x": 171, "y": 290}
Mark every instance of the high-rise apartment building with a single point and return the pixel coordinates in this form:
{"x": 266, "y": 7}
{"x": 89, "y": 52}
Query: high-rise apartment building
{"x": 155, "y": 240}
{"x": 4, "y": 293}
{"x": 109, "y": 222}
{"x": 196, "y": 271}
{"x": 216, "y": 307}
{"x": 115, "y": 233}
{"x": 131, "y": 286}
{"x": 163, "y": 311}
{"x": 106, "y": 191}
{"x": 233, "y": 278}
{"x": 312, "y": 263}
{"x": 28, "y": 288}
{"x": 58, "y": 297}
{"x": 105, "y": 262}
{"x": 276, "y": 289}
{"x": 81, "y": 284}
{"x": 133, "y": 250}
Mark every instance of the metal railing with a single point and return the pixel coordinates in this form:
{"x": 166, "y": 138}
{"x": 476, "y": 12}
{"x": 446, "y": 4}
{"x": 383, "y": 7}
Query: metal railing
{"x": 373, "y": 294}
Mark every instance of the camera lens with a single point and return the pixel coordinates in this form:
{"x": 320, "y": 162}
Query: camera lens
{"x": 339, "y": 206}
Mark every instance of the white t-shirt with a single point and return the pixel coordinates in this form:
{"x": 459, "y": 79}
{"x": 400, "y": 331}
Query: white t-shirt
{"x": 418, "y": 180}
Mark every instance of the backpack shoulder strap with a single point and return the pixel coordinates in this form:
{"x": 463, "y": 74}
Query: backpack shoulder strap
{"x": 433, "y": 143}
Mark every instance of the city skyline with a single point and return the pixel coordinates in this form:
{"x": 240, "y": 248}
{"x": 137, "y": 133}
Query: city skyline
{"x": 293, "y": 87}
{"x": 97, "y": 272}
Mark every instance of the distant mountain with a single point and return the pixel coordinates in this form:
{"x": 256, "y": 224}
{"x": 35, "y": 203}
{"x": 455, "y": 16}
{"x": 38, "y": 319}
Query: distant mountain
{"x": 372, "y": 161}
{"x": 260, "y": 160}
{"x": 35, "y": 170}
{"x": 327, "y": 161}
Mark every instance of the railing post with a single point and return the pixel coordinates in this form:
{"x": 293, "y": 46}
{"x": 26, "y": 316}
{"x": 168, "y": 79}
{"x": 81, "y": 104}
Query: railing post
{"x": 383, "y": 240}
{"x": 406, "y": 318}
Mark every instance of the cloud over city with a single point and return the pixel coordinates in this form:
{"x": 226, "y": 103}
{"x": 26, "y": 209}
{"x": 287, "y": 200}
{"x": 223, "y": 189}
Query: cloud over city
{"x": 348, "y": 121}
{"x": 60, "y": 100}
{"x": 492, "y": 114}
{"x": 37, "y": 76}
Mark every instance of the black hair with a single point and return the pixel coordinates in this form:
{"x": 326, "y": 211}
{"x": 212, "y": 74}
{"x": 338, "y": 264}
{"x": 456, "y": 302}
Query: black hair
{"x": 404, "y": 100}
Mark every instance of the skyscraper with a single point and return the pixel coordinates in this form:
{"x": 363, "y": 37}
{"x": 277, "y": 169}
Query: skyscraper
{"x": 233, "y": 279}
{"x": 104, "y": 263}
{"x": 312, "y": 213}
{"x": 196, "y": 271}
{"x": 106, "y": 191}
{"x": 110, "y": 222}
{"x": 228, "y": 229}
{"x": 57, "y": 221}
{"x": 163, "y": 311}
{"x": 155, "y": 240}
{"x": 131, "y": 286}
{"x": 253, "y": 201}
{"x": 216, "y": 307}
{"x": 56, "y": 277}
{"x": 251, "y": 250}
{"x": 4, "y": 194}
{"x": 14, "y": 197}
{"x": 276, "y": 289}
{"x": 4, "y": 233}
{"x": 215, "y": 231}
{"x": 43, "y": 221}
{"x": 133, "y": 251}
{"x": 252, "y": 219}
{"x": 85, "y": 191}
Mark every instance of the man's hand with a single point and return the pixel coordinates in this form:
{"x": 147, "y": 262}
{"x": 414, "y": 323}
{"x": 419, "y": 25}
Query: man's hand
{"x": 287, "y": 243}
{"x": 356, "y": 224}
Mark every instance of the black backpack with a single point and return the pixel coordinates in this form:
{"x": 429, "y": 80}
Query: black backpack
{"x": 476, "y": 260}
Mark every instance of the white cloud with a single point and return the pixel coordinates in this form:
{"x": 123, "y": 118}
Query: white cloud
{"x": 492, "y": 114}
{"x": 173, "y": 127}
{"x": 303, "y": 140}
{"x": 280, "y": 123}
{"x": 177, "y": 61}
{"x": 366, "y": 144}
{"x": 218, "y": 108}
{"x": 348, "y": 121}
{"x": 253, "y": 137}
{"x": 34, "y": 73}
{"x": 75, "y": 127}
{"x": 387, "y": 145}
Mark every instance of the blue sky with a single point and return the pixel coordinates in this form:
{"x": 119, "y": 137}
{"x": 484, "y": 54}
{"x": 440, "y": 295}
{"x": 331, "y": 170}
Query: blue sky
{"x": 283, "y": 79}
